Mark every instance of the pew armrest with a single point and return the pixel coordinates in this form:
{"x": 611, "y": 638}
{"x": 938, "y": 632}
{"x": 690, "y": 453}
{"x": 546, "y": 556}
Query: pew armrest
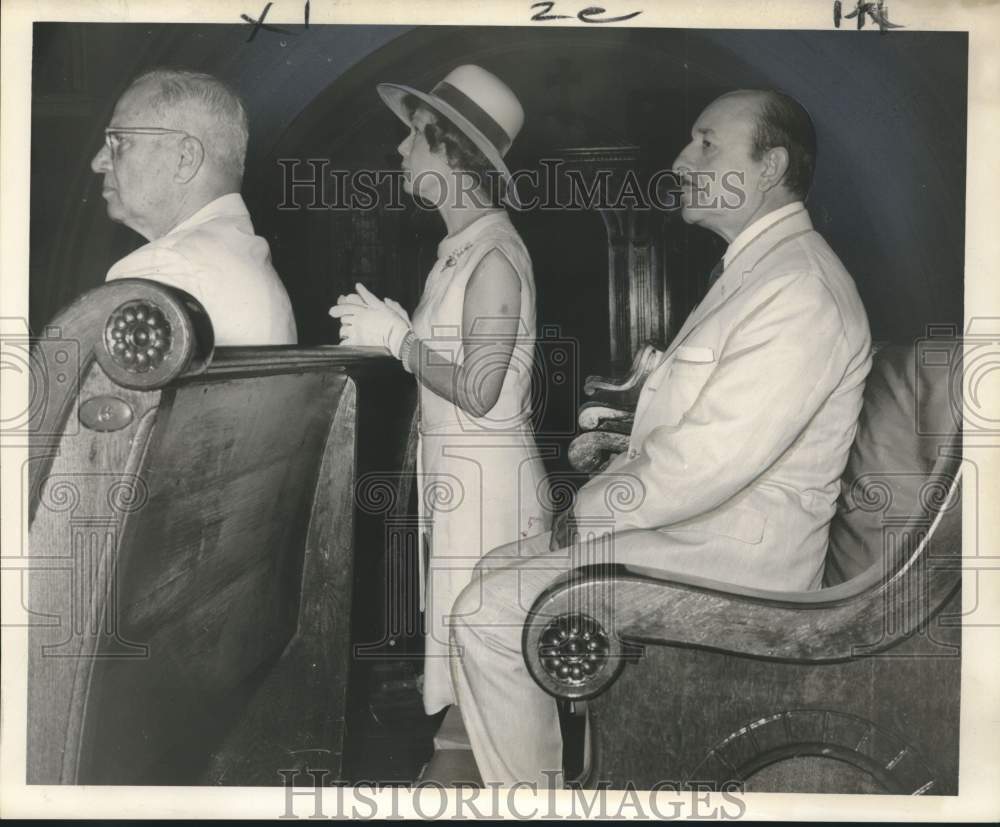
{"x": 584, "y": 629}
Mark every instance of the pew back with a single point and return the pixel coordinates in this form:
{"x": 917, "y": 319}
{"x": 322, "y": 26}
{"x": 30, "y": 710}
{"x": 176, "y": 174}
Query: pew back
{"x": 180, "y": 537}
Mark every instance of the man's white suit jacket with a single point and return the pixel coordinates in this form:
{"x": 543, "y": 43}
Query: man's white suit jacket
{"x": 743, "y": 430}
{"x": 215, "y": 256}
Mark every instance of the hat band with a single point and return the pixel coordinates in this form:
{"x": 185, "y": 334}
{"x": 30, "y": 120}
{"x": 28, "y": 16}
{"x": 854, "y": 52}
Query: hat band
{"x": 474, "y": 113}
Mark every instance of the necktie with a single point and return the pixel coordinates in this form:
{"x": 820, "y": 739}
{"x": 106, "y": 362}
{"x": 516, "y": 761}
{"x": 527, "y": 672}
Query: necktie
{"x": 713, "y": 277}
{"x": 716, "y": 272}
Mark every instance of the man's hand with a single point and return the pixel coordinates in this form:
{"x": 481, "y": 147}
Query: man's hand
{"x": 564, "y": 531}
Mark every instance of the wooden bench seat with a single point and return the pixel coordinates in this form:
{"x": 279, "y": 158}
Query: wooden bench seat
{"x": 851, "y": 688}
{"x": 193, "y": 536}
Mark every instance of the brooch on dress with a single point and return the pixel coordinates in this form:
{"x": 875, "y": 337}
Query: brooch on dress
{"x": 452, "y": 259}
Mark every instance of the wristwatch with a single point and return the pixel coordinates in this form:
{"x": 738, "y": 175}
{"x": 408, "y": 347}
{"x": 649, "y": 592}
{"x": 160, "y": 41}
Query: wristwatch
{"x": 404, "y": 349}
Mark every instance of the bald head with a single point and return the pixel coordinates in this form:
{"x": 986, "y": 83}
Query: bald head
{"x": 781, "y": 121}
{"x": 751, "y": 152}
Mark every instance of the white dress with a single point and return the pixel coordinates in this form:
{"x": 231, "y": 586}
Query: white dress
{"x": 482, "y": 483}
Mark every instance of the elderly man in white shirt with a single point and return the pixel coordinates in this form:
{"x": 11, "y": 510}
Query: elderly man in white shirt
{"x": 173, "y": 166}
{"x": 740, "y": 435}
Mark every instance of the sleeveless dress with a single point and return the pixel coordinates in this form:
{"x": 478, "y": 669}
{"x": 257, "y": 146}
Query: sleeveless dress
{"x": 482, "y": 483}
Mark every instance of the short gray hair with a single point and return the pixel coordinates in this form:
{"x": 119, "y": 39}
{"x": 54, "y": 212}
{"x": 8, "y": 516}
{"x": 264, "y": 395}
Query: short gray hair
{"x": 226, "y": 146}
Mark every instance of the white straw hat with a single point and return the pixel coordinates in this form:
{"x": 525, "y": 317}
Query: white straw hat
{"x": 478, "y": 103}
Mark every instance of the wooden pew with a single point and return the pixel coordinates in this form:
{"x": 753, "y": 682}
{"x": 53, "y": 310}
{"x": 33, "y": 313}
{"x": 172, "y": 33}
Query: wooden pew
{"x": 196, "y": 544}
{"x": 853, "y": 688}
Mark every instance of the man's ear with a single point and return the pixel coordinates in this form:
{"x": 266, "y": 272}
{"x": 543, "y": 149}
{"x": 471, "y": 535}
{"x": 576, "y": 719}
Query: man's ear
{"x": 191, "y": 158}
{"x": 775, "y": 167}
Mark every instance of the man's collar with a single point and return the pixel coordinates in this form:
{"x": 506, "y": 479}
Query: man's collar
{"x": 755, "y": 229}
{"x": 230, "y": 204}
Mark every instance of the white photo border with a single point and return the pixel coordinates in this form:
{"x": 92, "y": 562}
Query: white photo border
{"x": 979, "y": 797}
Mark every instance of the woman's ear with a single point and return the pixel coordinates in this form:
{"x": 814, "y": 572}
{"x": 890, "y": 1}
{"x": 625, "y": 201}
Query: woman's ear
{"x": 191, "y": 158}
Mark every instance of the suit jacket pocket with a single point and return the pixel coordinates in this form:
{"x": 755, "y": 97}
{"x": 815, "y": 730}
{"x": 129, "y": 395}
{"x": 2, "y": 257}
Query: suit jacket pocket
{"x": 697, "y": 354}
{"x": 690, "y": 370}
{"x": 737, "y": 522}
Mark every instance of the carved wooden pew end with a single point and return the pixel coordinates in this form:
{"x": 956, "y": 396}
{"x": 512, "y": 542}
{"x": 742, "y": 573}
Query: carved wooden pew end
{"x": 193, "y": 522}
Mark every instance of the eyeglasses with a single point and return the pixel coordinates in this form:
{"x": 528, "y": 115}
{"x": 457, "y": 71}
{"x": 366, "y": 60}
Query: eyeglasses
{"x": 113, "y": 141}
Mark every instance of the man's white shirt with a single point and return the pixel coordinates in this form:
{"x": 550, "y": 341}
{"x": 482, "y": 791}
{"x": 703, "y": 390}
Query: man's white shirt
{"x": 215, "y": 256}
{"x": 751, "y": 231}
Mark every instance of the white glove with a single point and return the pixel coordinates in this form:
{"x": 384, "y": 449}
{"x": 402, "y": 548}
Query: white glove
{"x": 351, "y": 299}
{"x": 356, "y": 300}
{"x": 396, "y": 307}
{"x": 372, "y": 323}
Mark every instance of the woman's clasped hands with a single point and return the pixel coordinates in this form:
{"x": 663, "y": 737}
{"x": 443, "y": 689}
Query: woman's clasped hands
{"x": 367, "y": 320}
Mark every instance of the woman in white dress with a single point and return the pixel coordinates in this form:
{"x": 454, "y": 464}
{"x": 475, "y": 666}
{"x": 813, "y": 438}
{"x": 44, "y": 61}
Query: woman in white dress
{"x": 470, "y": 346}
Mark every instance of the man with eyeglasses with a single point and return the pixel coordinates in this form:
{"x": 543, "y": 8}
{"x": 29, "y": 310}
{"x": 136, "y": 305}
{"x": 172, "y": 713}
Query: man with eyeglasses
{"x": 172, "y": 162}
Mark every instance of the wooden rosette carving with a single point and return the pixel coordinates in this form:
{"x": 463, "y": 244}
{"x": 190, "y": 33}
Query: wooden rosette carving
{"x": 154, "y": 336}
